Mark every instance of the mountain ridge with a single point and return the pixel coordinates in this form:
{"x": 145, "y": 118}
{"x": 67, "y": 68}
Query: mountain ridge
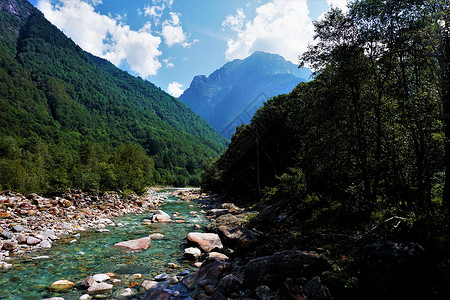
{"x": 223, "y": 96}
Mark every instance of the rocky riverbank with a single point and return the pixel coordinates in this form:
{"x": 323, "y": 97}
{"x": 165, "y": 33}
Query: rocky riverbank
{"x": 229, "y": 260}
{"x": 30, "y": 222}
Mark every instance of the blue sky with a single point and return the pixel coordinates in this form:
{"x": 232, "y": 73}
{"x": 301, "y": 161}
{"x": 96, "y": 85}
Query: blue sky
{"x": 168, "y": 42}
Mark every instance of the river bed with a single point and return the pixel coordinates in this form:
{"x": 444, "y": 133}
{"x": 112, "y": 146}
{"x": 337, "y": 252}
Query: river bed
{"x": 92, "y": 253}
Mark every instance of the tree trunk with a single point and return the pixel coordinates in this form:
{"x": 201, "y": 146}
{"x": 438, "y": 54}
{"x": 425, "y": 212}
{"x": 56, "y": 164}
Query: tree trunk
{"x": 444, "y": 62}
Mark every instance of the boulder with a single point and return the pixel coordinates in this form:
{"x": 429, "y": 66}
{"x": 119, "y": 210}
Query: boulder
{"x": 273, "y": 270}
{"x": 229, "y": 220}
{"x": 211, "y": 272}
{"x": 216, "y": 212}
{"x": 135, "y": 245}
{"x": 229, "y": 284}
{"x": 192, "y": 253}
{"x": 238, "y": 238}
{"x": 157, "y": 294}
{"x": 315, "y": 290}
{"x": 216, "y": 256}
{"x": 151, "y": 284}
{"x": 264, "y": 293}
{"x": 61, "y": 285}
{"x": 47, "y": 234}
{"x": 160, "y": 217}
{"x": 205, "y": 241}
{"x": 389, "y": 269}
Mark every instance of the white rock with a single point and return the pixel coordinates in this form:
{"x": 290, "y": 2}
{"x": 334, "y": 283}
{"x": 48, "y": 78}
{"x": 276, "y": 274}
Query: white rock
{"x": 101, "y": 277}
{"x": 5, "y": 266}
{"x": 45, "y": 244}
{"x": 85, "y": 297}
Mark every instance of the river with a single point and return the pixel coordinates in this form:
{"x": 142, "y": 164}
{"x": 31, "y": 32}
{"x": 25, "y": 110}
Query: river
{"x": 92, "y": 253}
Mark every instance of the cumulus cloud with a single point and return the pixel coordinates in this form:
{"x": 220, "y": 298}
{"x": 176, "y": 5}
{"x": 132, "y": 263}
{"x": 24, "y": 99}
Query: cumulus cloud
{"x": 175, "y": 89}
{"x": 281, "y": 27}
{"x": 173, "y": 32}
{"x": 105, "y": 36}
{"x": 342, "y": 4}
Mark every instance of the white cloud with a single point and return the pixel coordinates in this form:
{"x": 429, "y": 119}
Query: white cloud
{"x": 104, "y": 36}
{"x": 168, "y": 62}
{"x": 281, "y": 27}
{"x": 175, "y": 89}
{"x": 342, "y": 4}
{"x": 173, "y": 32}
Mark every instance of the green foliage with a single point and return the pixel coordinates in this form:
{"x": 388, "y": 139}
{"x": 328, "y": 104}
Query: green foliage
{"x": 69, "y": 119}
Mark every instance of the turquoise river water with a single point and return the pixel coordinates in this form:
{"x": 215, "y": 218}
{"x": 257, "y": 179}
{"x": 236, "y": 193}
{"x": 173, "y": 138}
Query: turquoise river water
{"x": 93, "y": 253}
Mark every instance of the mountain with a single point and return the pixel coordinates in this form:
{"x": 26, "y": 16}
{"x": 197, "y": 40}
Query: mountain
{"x": 231, "y": 95}
{"x": 70, "y": 119}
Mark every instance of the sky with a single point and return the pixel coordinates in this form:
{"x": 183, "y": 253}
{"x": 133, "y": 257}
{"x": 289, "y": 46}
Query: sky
{"x": 168, "y": 42}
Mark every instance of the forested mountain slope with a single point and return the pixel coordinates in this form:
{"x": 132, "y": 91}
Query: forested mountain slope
{"x": 352, "y": 162}
{"x": 69, "y": 119}
{"x": 232, "y": 94}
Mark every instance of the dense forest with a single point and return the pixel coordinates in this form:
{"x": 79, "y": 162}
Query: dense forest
{"x": 361, "y": 152}
{"x": 69, "y": 119}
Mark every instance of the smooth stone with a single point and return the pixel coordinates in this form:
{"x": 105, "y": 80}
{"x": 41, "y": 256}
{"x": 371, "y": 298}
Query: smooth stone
{"x": 161, "y": 277}
{"x": 126, "y": 292}
{"x": 45, "y": 244}
{"x": 137, "y": 276}
{"x": 101, "y": 277}
{"x": 215, "y": 256}
{"x": 103, "y": 230}
{"x": 206, "y": 241}
{"x": 192, "y": 253}
{"x": 151, "y": 284}
{"x": 135, "y": 245}
{"x": 61, "y": 285}
{"x": 17, "y": 228}
{"x": 47, "y": 233}
{"x": 156, "y": 236}
{"x": 85, "y": 297}
{"x": 173, "y": 266}
{"x": 6, "y": 234}
{"x": 32, "y": 240}
{"x": 99, "y": 288}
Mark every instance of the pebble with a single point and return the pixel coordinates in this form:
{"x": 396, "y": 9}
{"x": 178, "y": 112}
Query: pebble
{"x": 161, "y": 277}
{"x": 85, "y": 297}
{"x": 61, "y": 285}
